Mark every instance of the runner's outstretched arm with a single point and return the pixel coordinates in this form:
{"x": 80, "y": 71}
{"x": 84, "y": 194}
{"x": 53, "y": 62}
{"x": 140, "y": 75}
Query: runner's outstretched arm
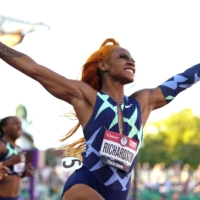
{"x": 59, "y": 86}
{"x": 151, "y": 99}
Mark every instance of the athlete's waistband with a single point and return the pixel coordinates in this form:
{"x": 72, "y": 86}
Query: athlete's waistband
{"x": 9, "y": 198}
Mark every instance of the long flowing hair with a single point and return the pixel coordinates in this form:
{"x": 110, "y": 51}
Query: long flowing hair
{"x": 92, "y": 76}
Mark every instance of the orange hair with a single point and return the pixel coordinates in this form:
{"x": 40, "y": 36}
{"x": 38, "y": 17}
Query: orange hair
{"x": 91, "y": 76}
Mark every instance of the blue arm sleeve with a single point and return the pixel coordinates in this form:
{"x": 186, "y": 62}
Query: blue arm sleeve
{"x": 173, "y": 86}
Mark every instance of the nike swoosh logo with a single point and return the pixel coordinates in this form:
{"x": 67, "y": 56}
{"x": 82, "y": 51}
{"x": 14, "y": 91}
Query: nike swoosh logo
{"x": 128, "y": 106}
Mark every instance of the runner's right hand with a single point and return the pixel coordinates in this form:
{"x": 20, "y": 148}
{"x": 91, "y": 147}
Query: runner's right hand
{"x": 3, "y": 171}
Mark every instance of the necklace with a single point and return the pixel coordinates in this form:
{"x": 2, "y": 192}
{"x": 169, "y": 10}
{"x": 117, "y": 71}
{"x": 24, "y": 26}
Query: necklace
{"x": 119, "y": 100}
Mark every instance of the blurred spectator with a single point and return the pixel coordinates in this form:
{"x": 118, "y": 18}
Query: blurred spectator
{"x": 11, "y": 157}
{"x": 175, "y": 196}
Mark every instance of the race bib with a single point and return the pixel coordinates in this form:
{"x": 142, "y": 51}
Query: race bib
{"x": 70, "y": 163}
{"x": 19, "y": 167}
{"x": 118, "y": 150}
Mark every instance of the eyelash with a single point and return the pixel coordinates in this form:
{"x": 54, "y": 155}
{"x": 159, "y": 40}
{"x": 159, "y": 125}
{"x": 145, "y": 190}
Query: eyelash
{"x": 123, "y": 56}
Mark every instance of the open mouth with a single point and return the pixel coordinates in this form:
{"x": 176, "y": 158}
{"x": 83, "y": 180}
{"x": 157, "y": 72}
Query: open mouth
{"x": 129, "y": 70}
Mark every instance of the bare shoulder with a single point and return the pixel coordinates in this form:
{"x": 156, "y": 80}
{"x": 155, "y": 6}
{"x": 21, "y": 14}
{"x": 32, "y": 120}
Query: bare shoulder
{"x": 142, "y": 96}
{"x": 84, "y": 102}
{"x": 149, "y": 100}
{"x": 84, "y": 93}
{"x": 2, "y": 148}
{"x": 152, "y": 97}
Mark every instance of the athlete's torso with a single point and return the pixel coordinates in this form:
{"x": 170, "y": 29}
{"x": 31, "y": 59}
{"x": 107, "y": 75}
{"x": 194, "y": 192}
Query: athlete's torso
{"x": 10, "y": 151}
{"x": 10, "y": 185}
{"x": 104, "y": 118}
